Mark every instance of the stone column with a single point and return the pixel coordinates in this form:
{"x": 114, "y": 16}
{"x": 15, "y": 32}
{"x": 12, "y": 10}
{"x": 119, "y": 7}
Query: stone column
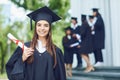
{"x": 115, "y": 23}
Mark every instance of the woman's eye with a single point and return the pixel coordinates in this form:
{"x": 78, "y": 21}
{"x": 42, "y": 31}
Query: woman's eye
{"x": 46, "y": 25}
{"x": 38, "y": 25}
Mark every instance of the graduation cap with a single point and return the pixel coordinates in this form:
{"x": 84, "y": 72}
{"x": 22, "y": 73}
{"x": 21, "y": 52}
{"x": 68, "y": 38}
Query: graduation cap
{"x": 74, "y": 18}
{"x": 95, "y": 9}
{"x": 43, "y": 13}
{"x": 91, "y": 16}
{"x": 83, "y": 17}
{"x": 68, "y": 28}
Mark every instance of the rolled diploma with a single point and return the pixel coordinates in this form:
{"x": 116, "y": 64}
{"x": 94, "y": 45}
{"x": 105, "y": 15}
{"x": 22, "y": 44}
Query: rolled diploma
{"x": 19, "y": 43}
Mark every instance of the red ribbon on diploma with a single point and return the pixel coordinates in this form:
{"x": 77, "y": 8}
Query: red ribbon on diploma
{"x": 16, "y": 41}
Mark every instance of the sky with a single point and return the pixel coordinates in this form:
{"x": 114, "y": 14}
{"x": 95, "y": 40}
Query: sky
{"x": 3, "y": 1}
{"x": 14, "y": 12}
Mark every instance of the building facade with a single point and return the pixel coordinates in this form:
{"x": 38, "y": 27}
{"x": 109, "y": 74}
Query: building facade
{"x": 109, "y": 10}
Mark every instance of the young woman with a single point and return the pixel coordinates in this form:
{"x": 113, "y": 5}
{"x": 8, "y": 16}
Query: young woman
{"x": 41, "y": 60}
{"x": 86, "y": 43}
{"x": 68, "y": 55}
{"x": 98, "y": 37}
{"x": 69, "y": 44}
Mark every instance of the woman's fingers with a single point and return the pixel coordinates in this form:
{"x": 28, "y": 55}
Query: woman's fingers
{"x": 27, "y": 52}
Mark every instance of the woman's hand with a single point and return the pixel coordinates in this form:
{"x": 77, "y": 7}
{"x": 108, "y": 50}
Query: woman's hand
{"x": 78, "y": 46}
{"x": 74, "y": 35}
{"x": 27, "y": 53}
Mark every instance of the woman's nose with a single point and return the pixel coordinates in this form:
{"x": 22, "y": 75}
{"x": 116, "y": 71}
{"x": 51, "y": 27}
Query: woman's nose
{"x": 42, "y": 27}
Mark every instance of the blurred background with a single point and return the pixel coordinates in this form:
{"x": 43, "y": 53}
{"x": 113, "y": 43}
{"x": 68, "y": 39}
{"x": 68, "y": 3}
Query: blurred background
{"x": 13, "y": 20}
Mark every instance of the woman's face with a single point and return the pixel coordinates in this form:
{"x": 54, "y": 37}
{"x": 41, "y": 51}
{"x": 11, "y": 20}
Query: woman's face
{"x": 42, "y": 28}
{"x": 73, "y": 21}
{"x": 68, "y": 32}
{"x": 94, "y": 13}
{"x": 91, "y": 20}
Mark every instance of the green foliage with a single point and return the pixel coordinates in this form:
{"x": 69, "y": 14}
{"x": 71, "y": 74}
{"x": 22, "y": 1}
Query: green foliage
{"x": 3, "y": 47}
{"x": 29, "y": 5}
{"x": 58, "y": 32}
{"x": 61, "y": 7}
{"x": 7, "y": 48}
{"x": 4, "y": 44}
{"x": 3, "y": 76}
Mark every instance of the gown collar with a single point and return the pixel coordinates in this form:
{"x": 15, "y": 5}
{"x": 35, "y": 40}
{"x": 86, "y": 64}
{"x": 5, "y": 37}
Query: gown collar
{"x": 39, "y": 47}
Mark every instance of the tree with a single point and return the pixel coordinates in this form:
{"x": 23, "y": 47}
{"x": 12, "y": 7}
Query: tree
{"x": 4, "y": 30}
{"x": 29, "y": 5}
{"x": 1, "y": 44}
{"x": 3, "y": 48}
{"x": 60, "y": 6}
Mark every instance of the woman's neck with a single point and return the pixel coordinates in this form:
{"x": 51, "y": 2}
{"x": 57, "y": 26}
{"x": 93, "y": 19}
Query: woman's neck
{"x": 43, "y": 40}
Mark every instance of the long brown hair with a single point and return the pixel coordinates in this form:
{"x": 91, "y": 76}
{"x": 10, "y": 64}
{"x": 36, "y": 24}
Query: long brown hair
{"x": 49, "y": 46}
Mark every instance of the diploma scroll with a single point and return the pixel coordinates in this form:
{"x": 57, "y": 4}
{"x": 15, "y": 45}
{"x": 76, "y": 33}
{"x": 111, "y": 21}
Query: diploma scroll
{"x": 16, "y": 41}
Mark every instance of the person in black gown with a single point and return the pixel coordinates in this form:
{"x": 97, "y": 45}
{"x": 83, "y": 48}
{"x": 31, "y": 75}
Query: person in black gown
{"x": 98, "y": 37}
{"x": 75, "y": 33}
{"x": 70, "y": 45}
{"x": 86, "y": 43}
{"x": 41, "y": 60}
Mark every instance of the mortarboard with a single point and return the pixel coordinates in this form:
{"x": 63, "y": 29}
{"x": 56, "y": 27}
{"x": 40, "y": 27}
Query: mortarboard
{"x": 83, "y": 16}
{"x": 95, "y": 9}
{"x": 68, "y": 28}
{"x": 43, "y": 13}
{"x": 74, "y": 18}
{"x": 91, "y": 16}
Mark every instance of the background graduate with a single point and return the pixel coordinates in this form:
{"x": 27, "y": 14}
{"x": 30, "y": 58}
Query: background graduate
{"x": 42, "y": 60}
{"x": 75, "y": 33}
{"x": 70, "y": 45}
{"x": 86, "y": 43}
{"x": 98, "y": 37}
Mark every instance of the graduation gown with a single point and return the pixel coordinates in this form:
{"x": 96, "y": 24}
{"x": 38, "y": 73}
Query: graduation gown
{"x": 99, "y": 36}
{"x": 68, "y": 51}
{"x": 75, "y": 49}
{"x": 75, "y": 31}
{"x": 40, "y": 69}
{"x": 86, "y": 45}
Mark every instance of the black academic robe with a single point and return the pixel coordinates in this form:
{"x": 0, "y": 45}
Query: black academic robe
{"x": 76, "y": 49}
{"x": 68, "y": 51}
{"x": 40, "y": 69}
{"x": 75, "y": 31}
{"x": 86, "y": 45}
{"x": 99, "y": 36}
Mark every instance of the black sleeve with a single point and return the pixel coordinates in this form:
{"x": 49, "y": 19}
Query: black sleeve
{"x": 15, "y": 66}
{"x": 83, "y": 29}
{"x": 65, "y": 43}
{"x": 99, "y": 25}
{"x": 60, "y": 68}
